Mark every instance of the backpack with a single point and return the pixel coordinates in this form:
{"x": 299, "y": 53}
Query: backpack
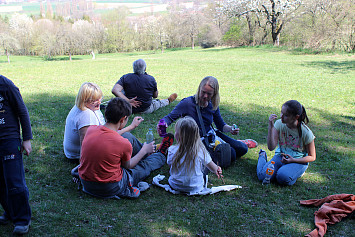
{"x": 220, "y": 154}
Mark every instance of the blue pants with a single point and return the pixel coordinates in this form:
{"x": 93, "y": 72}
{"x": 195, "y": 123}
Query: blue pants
{"x": 285, "y": 174}
{"x": 238, "y": 148}
{"x": 14, "y": 195}
{"x": 146, "y": 165}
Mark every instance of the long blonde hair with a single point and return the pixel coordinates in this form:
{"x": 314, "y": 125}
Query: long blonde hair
{"x": 189, "y": 141}
{"x": 212, "y": 82}
{"x": 88, "y": 92}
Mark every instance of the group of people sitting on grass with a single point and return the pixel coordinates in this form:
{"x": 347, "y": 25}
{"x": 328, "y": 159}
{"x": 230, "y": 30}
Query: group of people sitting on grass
{"x": 113, "y": 163}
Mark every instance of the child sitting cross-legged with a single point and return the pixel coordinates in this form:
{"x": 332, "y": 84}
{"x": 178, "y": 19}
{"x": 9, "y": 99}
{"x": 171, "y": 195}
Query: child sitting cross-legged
{"x": 295, "y": 142}
{"x": 188, "y": 158}
{"x": 107, "y": 166}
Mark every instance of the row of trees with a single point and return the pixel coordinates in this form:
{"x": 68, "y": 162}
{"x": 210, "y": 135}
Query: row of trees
{"x": 317, "y": 24}
{"x": 115, "y": 31}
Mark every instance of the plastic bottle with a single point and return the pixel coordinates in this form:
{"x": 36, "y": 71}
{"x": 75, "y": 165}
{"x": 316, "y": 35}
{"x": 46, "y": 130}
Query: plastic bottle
{"x": 150, "y": 136}
{"x": 269, "y": 172}
{"x": 162, "y": 128}
{"x": 234, "y": 126}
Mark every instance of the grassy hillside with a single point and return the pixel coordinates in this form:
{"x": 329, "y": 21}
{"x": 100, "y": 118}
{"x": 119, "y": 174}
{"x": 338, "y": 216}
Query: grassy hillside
{"x": 254, "y": 82}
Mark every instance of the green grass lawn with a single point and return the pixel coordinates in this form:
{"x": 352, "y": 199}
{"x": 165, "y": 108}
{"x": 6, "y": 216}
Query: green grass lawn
{"x": 254, "y": 82}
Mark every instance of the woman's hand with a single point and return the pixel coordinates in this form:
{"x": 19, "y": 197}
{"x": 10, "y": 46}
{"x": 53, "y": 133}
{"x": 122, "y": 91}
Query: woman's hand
{"x": 234, "y": 130}
{"x": 228, "y": 128}
{"x": 159, "y": 130}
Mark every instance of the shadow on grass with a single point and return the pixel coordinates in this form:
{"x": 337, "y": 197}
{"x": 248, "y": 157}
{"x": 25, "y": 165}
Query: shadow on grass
{"x": 333, "y": 139}
{"x": 62, "y": 58}
{"x": 335, "y": 67}
{"x": 64, "y": 210}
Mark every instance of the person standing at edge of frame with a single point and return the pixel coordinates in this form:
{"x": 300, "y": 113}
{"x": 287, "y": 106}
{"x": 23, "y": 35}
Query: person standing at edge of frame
{"x": 14, "y": 195}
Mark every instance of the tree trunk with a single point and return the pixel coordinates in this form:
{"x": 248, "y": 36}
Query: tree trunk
{"x": 251, "y": 30}
{"x": 276, "y": 30}
{"x": 8, "y": 55}
{"x": 277, "y": 40}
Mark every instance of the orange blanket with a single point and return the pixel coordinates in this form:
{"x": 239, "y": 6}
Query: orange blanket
{"x": 336, "y": 207}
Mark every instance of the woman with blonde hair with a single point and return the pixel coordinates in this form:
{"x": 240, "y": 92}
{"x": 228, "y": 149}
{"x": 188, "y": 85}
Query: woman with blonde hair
{"x": 84, "y": 113}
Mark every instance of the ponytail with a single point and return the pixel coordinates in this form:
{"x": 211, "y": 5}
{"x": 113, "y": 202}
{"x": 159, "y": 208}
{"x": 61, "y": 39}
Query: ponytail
{"x": 303, "y": 118}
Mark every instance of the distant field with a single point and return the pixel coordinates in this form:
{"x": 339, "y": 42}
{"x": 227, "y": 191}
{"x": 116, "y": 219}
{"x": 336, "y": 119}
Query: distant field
{"x": 136, "y": 7}
{"x": 254, "y": 82}
{"x": 6, "y": 9}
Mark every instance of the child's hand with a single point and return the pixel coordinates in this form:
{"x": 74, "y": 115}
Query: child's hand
{"x": 272, "y": 118}
{"x": 219, "y": 172}
{"x": 26, "y": 147}
{"x": 286, "y": 159}
{"x": 149, "y": 148}
{"x": 136, "y": 121}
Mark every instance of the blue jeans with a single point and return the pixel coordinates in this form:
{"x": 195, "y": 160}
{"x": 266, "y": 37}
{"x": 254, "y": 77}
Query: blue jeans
{"x": 146, "y": 165}
{"x": 285, "y": 174}
{"x": 238, "y": 148}
{"x": 14, "y": 195}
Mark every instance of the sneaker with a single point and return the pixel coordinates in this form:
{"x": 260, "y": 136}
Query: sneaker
{"x": 142, "y": 186}
{"x": 4, "y": 220}
{"x": 250, "y": 143}
{"x": 166, "y": 143}
{"x": 262, "y": 153}
{"x": 21, "y": 229}
{"x": 172, "y": 97}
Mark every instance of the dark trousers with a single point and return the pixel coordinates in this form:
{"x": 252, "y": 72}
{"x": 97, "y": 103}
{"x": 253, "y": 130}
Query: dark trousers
{"x": 238, "y": 148}
{"x": 14, "y": 195}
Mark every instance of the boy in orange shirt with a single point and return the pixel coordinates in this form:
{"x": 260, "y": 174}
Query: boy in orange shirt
{"x": 107, "y": 168}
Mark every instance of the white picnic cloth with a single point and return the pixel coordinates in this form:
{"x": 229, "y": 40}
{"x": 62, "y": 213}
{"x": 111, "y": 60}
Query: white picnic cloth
{"x": 205, "y": 191}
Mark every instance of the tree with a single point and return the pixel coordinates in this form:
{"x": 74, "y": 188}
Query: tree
{"x": 49, "y": 12}
{"x": 328, "y": 25}
{"x": 192, "y": 21}
{"x": 45, "y": 38}
{"x": 342, "y": 22}
{"x": 21, "y": 28}
{"x": 233, "y": 35}
{"x": 276, "y": 13}
{"x": 120, "y": 35}
{"x": 7, "y": 42}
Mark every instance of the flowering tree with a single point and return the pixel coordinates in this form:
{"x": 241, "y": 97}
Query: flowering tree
{"x": 21, "y": 28}
{"x": 275, "y": 12}
{"x": 8, "y": 43}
